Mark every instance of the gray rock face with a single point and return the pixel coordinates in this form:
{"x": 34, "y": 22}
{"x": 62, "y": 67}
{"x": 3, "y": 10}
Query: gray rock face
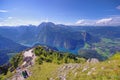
{"x": 93, "y": 60}
{"x": 65, "y": 69}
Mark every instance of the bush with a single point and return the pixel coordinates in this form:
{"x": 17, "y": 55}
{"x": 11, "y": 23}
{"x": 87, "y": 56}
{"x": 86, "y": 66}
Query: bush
{"x": 16, "y": 60}
{"x": 80, "y": 60}
{"x": 40, "y": 61}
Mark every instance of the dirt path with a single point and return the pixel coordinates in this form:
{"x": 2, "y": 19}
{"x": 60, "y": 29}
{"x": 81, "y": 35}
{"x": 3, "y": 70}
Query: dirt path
{"x": 26, "y": 65}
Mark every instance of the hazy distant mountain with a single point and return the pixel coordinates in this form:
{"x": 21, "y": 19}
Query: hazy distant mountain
{"x": 110, "y": 32}
{"x": 8, "y": 48}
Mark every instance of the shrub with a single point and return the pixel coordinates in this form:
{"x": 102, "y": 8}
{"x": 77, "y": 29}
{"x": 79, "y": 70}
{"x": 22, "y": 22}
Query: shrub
{"x": 40, "y": 61}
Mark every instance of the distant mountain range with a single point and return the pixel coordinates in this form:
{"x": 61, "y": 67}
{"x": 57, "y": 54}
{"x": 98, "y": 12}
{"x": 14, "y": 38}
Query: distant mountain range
{"x": 62, "y": 37}
{"x": 59, "y": 36}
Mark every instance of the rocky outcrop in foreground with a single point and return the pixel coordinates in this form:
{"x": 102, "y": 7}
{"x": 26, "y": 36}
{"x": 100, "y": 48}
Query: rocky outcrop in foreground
{"x": 63, "y": 72}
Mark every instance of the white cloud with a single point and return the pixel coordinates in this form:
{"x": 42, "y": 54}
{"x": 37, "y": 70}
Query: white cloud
{"x": 85, "y": 22}
{"x": 111, "y": 21}
{"x": 105, "y": 20}
{"x": 3, "y": 11}
{"x": 18, "y": 22}
{"x": 118, "y": 7}
{"x": 80, "y": 21}
{"x": 12, "y": 21}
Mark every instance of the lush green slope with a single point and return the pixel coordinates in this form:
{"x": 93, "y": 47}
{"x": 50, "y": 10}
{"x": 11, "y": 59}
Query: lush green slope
{"x": 44, "y": 71}
{"x": 107, "y": 70}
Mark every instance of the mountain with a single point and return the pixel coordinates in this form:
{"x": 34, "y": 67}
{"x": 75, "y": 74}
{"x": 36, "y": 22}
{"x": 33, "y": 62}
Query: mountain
{"x": 59, "y": 36}
{"x": 104, "y": 41}
{"x": 22, "y": 34}
{"x": 62, "y": 37}
{"x": 8, "y": 48}
{"x": 111, "y": 32}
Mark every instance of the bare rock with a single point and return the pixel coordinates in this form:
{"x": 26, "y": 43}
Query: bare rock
{"x": 93, "y": 60}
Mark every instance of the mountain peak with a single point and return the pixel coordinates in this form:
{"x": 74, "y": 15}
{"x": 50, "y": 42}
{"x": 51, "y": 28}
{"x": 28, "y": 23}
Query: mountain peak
{"x": 47, "y": 24}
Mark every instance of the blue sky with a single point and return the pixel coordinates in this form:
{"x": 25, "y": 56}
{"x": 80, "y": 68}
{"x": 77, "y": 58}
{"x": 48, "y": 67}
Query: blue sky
{"x": 71, "y": 12}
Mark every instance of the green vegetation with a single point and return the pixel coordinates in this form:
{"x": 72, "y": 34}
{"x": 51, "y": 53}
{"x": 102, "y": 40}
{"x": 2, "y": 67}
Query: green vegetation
{"x": 105, "y": 48}
{"x": 4, "y": 77}
{"x": 107, "y": 70}
{"x": 51, "y": 56}
{"x": 87, "y": 53}
{"x": 86, "y": 46}
{"x": 51, "y": 64}
{"x": 115, "y": 56}
{"x": 16, "y": 60}
{"x": 7, "y": 69}
{"x": 49, "y": 61}
{"x": 44, "y": 71}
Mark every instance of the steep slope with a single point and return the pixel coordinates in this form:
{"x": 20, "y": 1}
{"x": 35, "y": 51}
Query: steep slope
{"x": 63, "y": 37}
{"x": 110, "y": 32}
{"x": 8, "y": 48}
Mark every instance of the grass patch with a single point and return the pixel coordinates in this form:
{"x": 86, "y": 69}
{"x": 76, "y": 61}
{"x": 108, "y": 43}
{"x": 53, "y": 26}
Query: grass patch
{"x": 43, "y": 72}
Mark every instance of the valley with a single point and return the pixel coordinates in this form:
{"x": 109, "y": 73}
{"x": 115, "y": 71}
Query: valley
{"x": 100, "y": 41}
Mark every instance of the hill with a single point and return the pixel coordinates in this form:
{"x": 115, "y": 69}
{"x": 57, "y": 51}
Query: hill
{"x": 89, "y": 70}
{"x": 54, "y": 65}
{"x": 43, "y": 55}
{"x": 107, "y": 70}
